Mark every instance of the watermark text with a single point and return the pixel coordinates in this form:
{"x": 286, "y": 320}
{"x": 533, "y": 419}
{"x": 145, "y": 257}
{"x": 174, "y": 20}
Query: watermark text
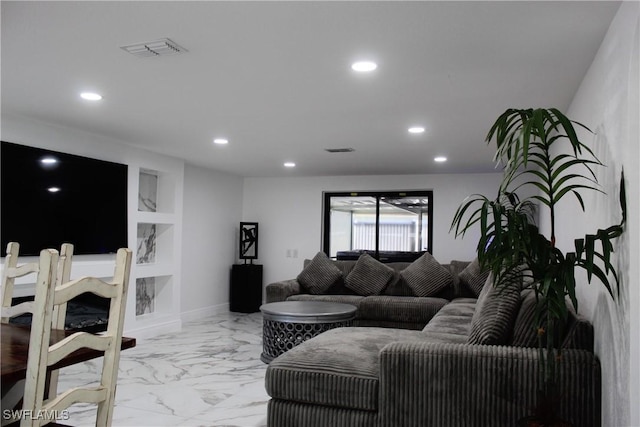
{"x": 27, "y": 414}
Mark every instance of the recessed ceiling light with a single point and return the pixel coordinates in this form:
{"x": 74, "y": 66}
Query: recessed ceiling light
{"x": 48, "y": 160}
{"x": 221, "y": 141}
{"x": 416, "y": 129}
{"x": 91, "y": 96}
{"x": 440, "y": 159}
{"x": 289, "y": 165}
{"x": 53, "y": 189}
{"x": 364, "y": 66}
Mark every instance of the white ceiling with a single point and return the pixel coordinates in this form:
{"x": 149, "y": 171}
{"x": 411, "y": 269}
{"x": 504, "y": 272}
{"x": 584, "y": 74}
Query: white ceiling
{"x": 275, "y": 78}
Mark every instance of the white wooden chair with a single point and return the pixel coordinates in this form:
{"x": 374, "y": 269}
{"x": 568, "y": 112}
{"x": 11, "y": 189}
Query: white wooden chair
{"x": 45, "y": 270}
{"x": 42, "y": 355}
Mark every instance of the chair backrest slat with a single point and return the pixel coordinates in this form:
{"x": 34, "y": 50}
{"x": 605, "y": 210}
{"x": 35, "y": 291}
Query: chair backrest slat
{"x": 69, "y": 397}
{"x": 72, "y": 289}
{"x": 23, "y": 270}
{"x": 75, "y": 342}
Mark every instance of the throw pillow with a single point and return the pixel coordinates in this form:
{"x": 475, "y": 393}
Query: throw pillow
{"x": 319, "y": 274}
{"x": 525, "y": 332}
{"x": 369, "y": 276}
{"x": 426, "y": 276}
{"x": 473, "y": 277}
{"x": 495, "y": 314}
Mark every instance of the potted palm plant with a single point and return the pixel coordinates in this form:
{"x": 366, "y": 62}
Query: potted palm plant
{"x": 540, "y": 148}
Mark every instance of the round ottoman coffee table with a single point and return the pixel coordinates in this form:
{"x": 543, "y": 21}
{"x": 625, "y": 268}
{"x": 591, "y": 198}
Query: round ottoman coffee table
{"x": 289, "y": 323}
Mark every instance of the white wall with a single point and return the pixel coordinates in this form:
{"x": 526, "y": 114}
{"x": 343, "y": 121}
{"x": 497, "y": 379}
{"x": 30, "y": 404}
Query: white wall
{"x": 607, "y": 102}
{"x": 289, "y": 211}
{"x": 212, "y": 213}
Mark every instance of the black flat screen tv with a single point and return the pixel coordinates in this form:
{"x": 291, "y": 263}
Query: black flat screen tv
{"x": 49, "y": 198}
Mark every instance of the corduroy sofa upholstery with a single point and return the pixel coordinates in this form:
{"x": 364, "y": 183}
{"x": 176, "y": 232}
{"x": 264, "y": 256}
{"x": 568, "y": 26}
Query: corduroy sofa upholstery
{"x": 395, "y": 306}
{"x": 386, "y": 377}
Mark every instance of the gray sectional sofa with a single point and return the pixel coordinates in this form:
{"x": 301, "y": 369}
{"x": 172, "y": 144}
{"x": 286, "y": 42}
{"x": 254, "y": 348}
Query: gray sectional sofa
{"x": 395, "y": 304}
{"x": 473, "y": 363}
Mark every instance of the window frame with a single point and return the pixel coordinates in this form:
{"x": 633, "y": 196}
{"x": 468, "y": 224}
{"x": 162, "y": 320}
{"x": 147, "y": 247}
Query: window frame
{"x": 378, "y": 195}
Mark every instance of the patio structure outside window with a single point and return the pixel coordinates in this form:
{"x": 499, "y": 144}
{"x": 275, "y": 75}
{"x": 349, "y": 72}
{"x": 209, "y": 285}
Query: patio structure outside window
{"x": 381, "y": 223}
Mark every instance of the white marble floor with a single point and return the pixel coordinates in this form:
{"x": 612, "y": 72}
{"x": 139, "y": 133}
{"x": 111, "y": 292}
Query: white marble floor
{"x": 210, "y": 374}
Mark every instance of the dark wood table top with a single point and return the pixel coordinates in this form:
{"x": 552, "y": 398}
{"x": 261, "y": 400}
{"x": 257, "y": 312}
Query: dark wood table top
{"x": 15, "y": 349}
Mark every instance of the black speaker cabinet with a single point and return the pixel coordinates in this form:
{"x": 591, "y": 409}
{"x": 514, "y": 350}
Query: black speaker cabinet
{"x": 245, "y": 295}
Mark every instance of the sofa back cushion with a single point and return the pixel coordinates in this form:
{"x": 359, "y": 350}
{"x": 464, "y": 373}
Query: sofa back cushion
{"x": 369, "y": 276}
{"x": 397, "y": 286}
{"x": 578, "y": 331}
{"x": 525, "y": 331}
{"x": 473, "y": 277}
{"x": 495, "y": 314}
{"x": 459, "y": 289}
{"x": 319, "y": 274}
{"x": 426, "y": 276}
{"x": 344, "y": 266}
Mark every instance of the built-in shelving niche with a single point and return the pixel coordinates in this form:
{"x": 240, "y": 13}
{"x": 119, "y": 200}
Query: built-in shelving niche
{"x": 156, "y": 191}
{"x": 148, "y": 191}
{"x": 153, "y": 296}
{"x": 145, "y": 295}
{"x": 154, "y": 243}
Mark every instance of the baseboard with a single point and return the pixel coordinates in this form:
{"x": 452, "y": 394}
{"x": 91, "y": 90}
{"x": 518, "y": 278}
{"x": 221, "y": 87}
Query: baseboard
{"x": 154, "y": 330}
{"x": 199, "y": 313}
{"x": 176, "y": 325}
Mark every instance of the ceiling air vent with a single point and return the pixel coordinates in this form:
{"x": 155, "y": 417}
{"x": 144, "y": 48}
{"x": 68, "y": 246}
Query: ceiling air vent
{"x": 160, "y": 47}
{"x": 339, "y": 150}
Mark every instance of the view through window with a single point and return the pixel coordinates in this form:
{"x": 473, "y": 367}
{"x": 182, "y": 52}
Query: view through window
{"x": 392, "y": 226}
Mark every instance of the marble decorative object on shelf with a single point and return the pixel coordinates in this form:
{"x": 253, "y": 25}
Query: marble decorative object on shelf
{"x": 209, "y": 374}
{"x": 145, "y": 295}
{"x": 146, "y": 253}
{"x": 147, "y": 192}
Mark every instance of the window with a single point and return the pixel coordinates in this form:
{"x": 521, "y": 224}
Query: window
{"x": 391, "y": 226}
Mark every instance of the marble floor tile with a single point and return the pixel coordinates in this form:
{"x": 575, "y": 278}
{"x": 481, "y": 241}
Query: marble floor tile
{"x": 209, "y": 374}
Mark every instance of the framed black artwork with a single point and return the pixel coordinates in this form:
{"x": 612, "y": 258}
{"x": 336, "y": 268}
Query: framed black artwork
{"x": 248, "y": 240}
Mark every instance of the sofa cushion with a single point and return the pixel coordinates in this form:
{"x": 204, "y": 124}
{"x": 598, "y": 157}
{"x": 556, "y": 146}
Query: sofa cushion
{"x": 473, "y": 277}
{"x": 453, "y": 321}
{"x": 382, "y": 323}
{"x": 338, "y": 368}
{"x": 525, "y": 332}
{"x": 578, "y": 332}
{"x": 400, "y": 309}
{"x": 344, "y": 266}
{"x": 460, "y": 289}
{"x": 369, "y": 276}
{"x": 452, "y": 324}
{"x": 426, "y": 277}
{"x": 397, "y": 286}
{"x": 495, "y": 314}
{"x": 319, "y": 274}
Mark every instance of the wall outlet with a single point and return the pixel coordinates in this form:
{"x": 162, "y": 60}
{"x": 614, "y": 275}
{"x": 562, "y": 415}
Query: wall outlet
{"x": 295, "y": 253}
